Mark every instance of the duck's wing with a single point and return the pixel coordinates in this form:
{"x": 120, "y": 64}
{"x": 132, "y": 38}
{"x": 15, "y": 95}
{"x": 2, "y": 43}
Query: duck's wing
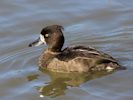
{"x": 73, "y": 52}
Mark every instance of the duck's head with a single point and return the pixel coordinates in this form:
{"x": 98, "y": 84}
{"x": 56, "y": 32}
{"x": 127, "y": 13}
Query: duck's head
{"x": 52, "y": 36}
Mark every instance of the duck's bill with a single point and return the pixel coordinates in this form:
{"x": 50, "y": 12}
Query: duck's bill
{"x": 38, "y": 42}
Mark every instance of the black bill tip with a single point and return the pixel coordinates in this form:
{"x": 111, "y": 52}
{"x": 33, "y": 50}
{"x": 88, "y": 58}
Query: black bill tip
{"x": 30, "y": 45}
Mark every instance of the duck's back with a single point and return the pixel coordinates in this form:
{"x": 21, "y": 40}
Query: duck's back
{"x": 82, "y": 59}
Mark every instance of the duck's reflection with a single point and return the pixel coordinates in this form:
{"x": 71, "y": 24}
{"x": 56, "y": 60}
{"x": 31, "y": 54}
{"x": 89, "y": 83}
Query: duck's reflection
{"x": 62, "y": 81}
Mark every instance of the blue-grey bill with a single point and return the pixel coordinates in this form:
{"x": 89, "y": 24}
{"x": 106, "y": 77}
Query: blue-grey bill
{"x": 36, "y": 43}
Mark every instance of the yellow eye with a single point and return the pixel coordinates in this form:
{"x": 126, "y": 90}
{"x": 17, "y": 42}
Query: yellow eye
{"x": 46, "y": 35}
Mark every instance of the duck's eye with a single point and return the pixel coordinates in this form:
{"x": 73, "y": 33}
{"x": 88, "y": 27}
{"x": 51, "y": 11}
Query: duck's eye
{"x": 46, "y": 35}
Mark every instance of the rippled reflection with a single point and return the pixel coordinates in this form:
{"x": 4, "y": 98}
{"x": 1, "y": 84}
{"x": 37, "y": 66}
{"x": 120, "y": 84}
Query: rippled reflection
{"x": 63, "y": 81}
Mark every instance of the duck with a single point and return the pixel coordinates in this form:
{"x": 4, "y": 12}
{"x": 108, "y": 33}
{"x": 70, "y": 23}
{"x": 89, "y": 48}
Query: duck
{"x": 70, "y": 59}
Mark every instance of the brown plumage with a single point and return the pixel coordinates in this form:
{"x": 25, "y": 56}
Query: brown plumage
{"x": 71, "y": 59}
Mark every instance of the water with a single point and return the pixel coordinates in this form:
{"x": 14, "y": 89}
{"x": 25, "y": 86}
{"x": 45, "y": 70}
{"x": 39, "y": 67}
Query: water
{"x": 105, "y": 24}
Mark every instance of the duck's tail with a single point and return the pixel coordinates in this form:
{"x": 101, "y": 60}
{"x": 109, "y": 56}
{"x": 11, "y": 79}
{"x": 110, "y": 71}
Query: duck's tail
{"x": 121, "y": 68}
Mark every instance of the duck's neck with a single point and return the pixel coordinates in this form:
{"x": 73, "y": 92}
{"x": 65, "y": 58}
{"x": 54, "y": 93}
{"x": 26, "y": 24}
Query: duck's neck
{"x": 54, "y": 50}
{"x": 56, "y": 46}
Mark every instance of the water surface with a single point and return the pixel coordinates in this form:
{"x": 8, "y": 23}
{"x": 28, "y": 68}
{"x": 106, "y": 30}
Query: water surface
{"x": 105, "y": 24}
